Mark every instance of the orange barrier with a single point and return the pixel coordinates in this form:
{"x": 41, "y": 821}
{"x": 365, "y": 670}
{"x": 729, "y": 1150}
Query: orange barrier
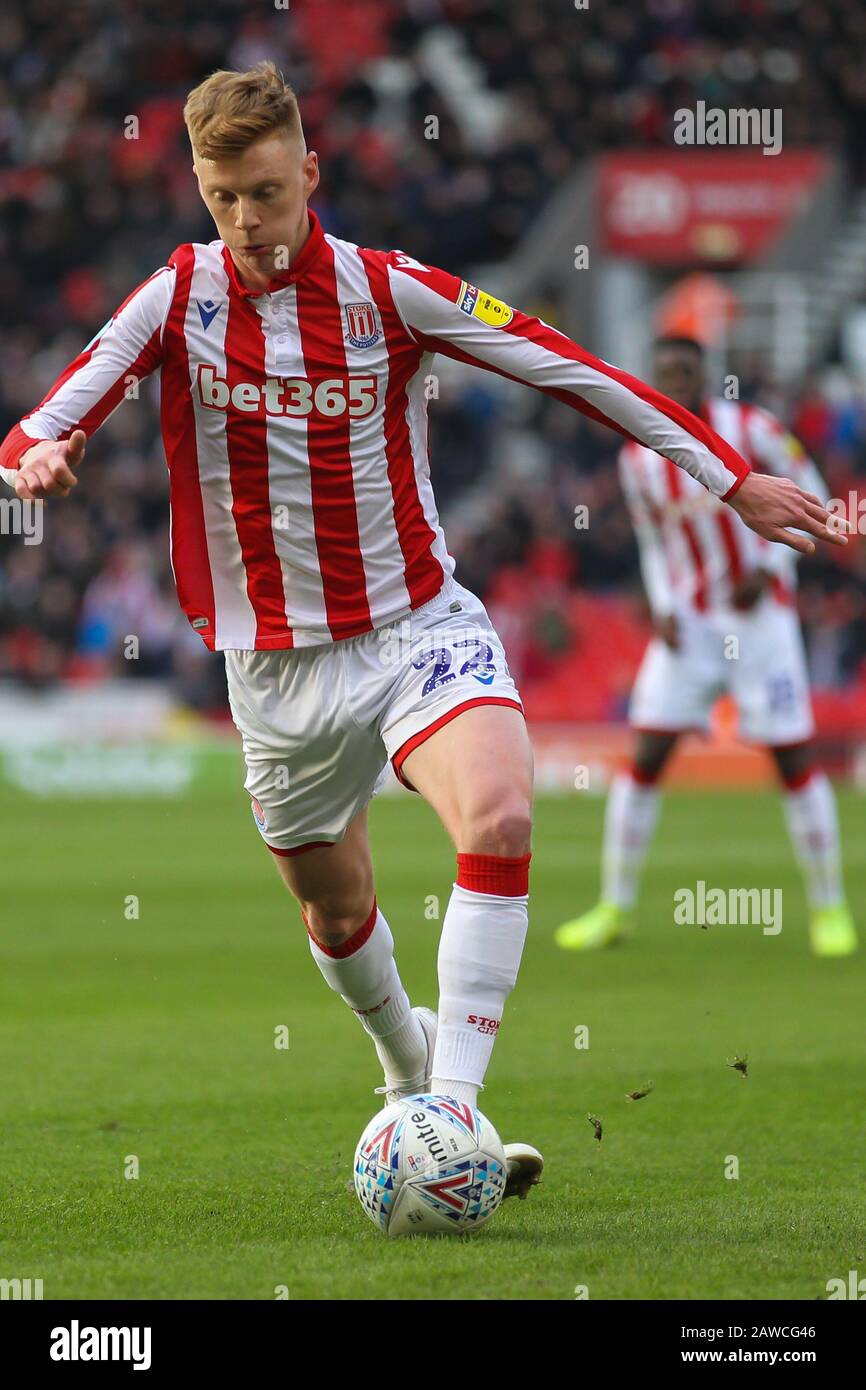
{"x": 584, "y": 757}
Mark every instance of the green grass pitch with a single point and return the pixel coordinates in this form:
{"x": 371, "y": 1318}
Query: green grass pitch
{"x": 154, "y": 1038}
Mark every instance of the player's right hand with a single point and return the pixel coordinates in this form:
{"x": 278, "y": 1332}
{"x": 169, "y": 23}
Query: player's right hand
{"x": 47, "y": 470}
{"x": 667, "y": 629}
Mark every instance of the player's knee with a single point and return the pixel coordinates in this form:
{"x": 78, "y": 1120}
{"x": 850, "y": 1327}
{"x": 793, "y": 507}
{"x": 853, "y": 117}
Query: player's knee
{"x": 646, "y": 772}
{"x": 794, "y": 763}
{"x": 333, "y": 921}
{"x": 505, "y": 829}
{"x": 650, "y": 756}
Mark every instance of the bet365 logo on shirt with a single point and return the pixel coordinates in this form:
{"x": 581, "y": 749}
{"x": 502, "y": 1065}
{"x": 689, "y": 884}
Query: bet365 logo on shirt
{"x": 479, "y": 305}
{"x": 344, "y": 395}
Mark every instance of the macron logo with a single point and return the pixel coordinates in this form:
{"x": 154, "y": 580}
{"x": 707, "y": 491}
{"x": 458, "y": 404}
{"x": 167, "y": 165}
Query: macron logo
{"x": 208, "y": 311}
{"x": 404, "y": 262}
{"x": 77, "y": 1343}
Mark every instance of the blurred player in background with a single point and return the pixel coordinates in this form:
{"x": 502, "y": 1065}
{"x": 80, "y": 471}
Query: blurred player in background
{"x": 294, "y": 373}
{"x": 723, "y": 609}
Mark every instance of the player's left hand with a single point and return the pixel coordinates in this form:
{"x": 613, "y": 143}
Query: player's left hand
{"x": 770, "y": 505}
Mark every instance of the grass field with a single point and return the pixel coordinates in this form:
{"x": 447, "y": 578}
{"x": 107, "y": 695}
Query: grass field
{"x": 155, "y": 1038}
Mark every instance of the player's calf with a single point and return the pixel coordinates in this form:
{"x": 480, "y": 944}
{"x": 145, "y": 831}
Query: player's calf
{"x": 352, "y": 945}
{"x": 363, "y": 971}
{"x": 810, "y": 813}
{"x": 476, "y": 772}
{"x": 479, "y": 956}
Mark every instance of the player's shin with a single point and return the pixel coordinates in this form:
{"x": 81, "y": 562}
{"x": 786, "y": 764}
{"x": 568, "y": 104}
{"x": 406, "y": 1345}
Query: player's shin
{"x": 479, "y": 956}
{"x": 629, "y": 822}
{"x": 363, "y": 971}
{"x": 810, "y": 813}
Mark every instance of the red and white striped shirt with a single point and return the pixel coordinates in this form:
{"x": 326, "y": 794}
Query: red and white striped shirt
{"x": 295, "y": 428}
{"x": 694, "y": 550}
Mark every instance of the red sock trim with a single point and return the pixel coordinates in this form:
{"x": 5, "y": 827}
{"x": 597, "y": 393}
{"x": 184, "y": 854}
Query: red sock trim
{"x": 797, "y": 783}
{"x": 643, "y": 778}
{"x": 352, "y": 943}
{"x": 494, "y": 873}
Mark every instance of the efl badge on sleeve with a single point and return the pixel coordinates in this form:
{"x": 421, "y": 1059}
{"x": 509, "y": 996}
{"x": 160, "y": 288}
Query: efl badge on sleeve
{"x": 363, "y": 330}
{"x": 479, "y": 305}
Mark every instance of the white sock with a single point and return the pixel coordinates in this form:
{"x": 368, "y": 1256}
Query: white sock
{"x": 479, "y": 957}
{"x": 365, "y": 974}
{"x": 814, "y": 829}
{"x": 629, "y": 821}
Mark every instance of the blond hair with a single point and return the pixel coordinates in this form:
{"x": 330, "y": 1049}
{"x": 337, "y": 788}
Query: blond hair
{"x": 229, "y": 110}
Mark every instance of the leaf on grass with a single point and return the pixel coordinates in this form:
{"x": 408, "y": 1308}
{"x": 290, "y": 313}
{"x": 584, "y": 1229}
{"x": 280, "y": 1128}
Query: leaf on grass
{"x": 639, "y": 1095}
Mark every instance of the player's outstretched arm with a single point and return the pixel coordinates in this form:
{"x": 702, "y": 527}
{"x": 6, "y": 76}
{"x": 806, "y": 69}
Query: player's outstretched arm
{"x": 776, "y": 508}
{"x": 40, "y": 454}
{"x": 48, "y": 469}
{"x": 445, "y": 314}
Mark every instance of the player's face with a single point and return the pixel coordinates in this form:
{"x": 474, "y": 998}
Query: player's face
{"x": 258, "y": 201}
{"x": 678, "y": 372}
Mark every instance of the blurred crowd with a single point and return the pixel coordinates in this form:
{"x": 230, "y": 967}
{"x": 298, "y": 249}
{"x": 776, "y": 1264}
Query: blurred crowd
{"x": 88, "y": 213}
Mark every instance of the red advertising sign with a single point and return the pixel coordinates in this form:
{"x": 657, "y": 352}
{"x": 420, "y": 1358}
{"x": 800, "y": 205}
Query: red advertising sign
{"x": 676, "y": 207}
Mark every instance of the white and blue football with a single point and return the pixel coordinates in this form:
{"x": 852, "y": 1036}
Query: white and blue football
{"x": 429, "y": 1165}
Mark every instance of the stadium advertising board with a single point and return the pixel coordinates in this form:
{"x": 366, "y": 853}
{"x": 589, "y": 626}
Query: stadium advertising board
{"x": 719, "y": 207}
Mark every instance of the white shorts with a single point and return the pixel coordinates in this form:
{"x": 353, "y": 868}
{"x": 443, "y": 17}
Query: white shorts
{"x": 756, "y": 656}
{"x": 318, "y": 724}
